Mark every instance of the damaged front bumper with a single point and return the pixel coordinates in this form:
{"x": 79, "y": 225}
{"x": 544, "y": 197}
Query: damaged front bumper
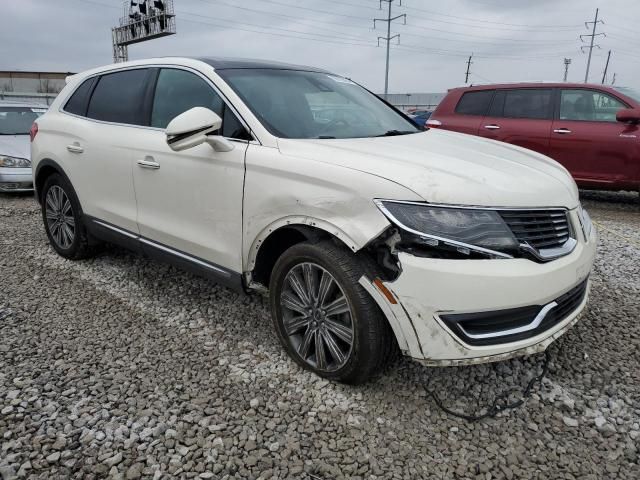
{"x": 429, "y": 289}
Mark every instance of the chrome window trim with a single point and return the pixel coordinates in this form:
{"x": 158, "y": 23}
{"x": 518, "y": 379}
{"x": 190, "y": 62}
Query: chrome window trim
{"x": 535, "y": 323}
{"x": 544, "y": 255}
{"x": 224, "y": 98}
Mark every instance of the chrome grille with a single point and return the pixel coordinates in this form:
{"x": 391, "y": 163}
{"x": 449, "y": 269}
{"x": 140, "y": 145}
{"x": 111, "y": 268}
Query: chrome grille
{"x": 541, "y": 229}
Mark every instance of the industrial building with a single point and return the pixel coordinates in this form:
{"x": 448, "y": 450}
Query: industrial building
{"x": 37, "y": 87}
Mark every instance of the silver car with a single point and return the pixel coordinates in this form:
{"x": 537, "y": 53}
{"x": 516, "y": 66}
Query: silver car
{"x": 16, "y": 120}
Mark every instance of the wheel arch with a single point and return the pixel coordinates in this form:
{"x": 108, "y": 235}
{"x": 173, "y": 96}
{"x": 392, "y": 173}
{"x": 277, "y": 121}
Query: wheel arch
{"x": 44, "y": 170}
{"x": 282, "y": 234}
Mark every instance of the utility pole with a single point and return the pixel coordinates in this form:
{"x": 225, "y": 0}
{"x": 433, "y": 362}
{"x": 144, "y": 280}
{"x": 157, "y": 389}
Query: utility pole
{"x": 388, "y": 38}
{"x": 567, "y": 62}
{"x": 606, "y": 67}
{"x": 591, "y": 45}
{"x": 613, "y": 82}
{"x": 466, "y": 76}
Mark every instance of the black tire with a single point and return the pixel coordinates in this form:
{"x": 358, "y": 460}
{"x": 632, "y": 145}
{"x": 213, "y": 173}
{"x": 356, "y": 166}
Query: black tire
{"x": 73, "y": 247}
{"x": 372, "y": 343}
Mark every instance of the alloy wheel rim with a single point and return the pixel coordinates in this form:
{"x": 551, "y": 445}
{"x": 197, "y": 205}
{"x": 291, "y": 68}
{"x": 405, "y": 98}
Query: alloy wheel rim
{"x": 317, "y": 317}
{"x": 60, "y": 219}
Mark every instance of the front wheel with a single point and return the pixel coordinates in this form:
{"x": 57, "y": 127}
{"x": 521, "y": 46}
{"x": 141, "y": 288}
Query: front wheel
{"x": 324, "y": 318}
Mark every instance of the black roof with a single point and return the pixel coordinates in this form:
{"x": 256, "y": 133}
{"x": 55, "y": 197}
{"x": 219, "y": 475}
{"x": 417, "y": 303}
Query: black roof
{"x": 222, "y": 63}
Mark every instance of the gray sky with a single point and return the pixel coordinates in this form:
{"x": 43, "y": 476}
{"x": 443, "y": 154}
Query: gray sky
{"x": 511, "y": 40}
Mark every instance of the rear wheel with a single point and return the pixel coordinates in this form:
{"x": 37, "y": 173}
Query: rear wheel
{"x": 63, "y": 218}
{"x": 324, "y": 318}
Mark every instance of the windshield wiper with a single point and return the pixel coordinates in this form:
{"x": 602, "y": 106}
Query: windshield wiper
{"x": 393, "y": 133}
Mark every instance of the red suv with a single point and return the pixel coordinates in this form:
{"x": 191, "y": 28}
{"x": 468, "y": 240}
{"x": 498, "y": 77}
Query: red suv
{"x": 590, "y": 129}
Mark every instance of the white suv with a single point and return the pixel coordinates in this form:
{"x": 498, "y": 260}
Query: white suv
{"x": 368, "y": 233}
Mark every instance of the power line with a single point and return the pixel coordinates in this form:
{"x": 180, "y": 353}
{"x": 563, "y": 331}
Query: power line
{"x": 299, "y": 35}
{"x": 593, "y": 35}
{"x": 362, "y": 27}
{"x": 389, "y": 37}
{"x": 490, "y": 22}
{"x": 536, "y": 27}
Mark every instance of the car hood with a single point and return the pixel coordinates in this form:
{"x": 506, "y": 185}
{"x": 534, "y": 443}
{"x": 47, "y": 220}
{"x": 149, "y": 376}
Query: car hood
{"x": 450, "y": 168}
{"x": 15, "y": 146}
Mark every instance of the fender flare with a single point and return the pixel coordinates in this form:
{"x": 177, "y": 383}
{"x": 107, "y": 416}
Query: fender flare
{"x": 47, "y": 162}
{"x": 293, "y": 221}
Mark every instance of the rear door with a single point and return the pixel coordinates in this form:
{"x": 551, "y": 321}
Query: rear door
{"x": 590, "y": 143}
{"x": 467, "y": 114}
{"x": 521, "y": 116}
{"x": 98, "y": 136}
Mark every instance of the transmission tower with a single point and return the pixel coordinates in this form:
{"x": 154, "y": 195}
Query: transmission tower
{"x": 591, "y": 46}
{"x": 142, "y": 20}
{"x": 388, "y": 38}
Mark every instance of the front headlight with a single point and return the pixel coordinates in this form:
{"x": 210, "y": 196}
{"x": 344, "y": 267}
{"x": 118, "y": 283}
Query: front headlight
{"x": 587, "y": 224}
{"x": 14, "y": 162}
{"x": 464, "y": 228}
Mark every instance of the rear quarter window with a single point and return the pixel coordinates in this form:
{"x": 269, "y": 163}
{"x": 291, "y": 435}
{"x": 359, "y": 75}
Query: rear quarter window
{"x": 474, "y": 103}
{"x": 78, "y": 102}
{"x": 118, "y": 97}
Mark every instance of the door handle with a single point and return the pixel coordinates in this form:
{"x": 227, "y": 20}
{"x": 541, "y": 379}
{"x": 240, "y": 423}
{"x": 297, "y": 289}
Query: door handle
{"x": 149, "y": 162}
{"x": 75, "y": 148}
{"x": 562, "y": 131}
{"x": 492, "y": 127}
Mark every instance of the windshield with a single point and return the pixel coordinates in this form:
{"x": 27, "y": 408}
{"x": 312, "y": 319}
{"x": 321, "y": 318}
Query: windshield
{"x": 298, "y": 104}
{"x": 18, "y": 120}
{"x": 629, "y": 92}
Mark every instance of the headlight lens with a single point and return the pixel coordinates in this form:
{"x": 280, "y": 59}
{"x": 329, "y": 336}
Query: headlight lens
{"x": 14, "y": 162}
{"x": 461, "y": 227}
{"x": 587, "y": 224}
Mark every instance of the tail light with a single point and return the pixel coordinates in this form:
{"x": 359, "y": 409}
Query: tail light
{"x": 432, "y": 123}
{"x": 33, "y": 131}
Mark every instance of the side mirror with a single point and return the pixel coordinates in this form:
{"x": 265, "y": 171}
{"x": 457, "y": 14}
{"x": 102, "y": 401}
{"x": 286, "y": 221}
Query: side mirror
{"x": 190, "y": 129}
{"x": 629, "y": 115}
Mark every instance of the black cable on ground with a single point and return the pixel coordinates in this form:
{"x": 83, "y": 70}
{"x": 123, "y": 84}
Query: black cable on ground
{"x": 497, "y": 405}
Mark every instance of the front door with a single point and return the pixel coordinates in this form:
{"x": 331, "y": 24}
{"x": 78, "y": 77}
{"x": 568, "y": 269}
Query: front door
{"x": 590, "y": 143}
{"x": 190, "y": 202}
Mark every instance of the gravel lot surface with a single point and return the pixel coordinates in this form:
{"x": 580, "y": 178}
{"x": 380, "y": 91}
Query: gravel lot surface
{"x": 124, "y": 368}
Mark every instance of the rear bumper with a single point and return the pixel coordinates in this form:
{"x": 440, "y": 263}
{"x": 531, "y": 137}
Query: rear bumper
{"x": 16, "y": 180}
{"x": 429, "y": 288}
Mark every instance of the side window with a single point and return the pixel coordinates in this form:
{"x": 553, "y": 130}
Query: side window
{"x": 588, "y": 105}
{"x": 231, "y": 126}
{"x": 77, "y": 103}
{"x": 178, "y": 91}
{"x": 118, "y": 97}
{"x": 475, "y": 103}
{"x": 527, "y": 103}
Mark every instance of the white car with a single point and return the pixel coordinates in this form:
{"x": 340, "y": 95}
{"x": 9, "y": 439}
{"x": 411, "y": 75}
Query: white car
{"x": 16, "y": 120}
{"x": 369, "y": 236}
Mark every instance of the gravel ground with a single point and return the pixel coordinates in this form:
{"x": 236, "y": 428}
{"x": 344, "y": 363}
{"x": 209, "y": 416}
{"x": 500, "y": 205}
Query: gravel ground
{"x": 120, "y": 367}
